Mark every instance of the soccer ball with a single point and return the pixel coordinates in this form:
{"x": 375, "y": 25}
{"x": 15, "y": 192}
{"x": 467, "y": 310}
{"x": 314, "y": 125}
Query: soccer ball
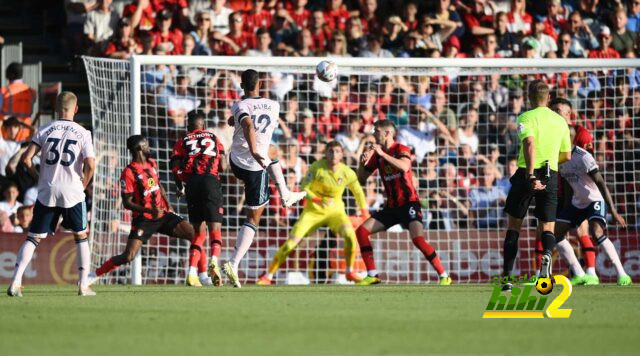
{"x": 327, "y": 71}
{"x": 544, "y": 286}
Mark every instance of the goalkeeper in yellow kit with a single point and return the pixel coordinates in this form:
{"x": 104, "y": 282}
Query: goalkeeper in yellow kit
{"x": 324, "y": 184}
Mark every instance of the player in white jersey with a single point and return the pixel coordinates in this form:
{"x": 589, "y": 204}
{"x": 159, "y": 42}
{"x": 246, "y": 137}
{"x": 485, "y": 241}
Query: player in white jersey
{"x": 590, "y": 198}
{"x": 66, "y": 168}
{"x": 255, "y": 119}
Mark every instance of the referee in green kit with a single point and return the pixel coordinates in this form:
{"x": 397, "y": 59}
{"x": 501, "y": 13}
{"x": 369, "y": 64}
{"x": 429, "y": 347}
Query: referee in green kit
{"x": 545, "y": 142}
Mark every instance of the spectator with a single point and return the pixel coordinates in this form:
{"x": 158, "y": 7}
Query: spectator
{"x": 337, "y": 45}
{"x": 497, "y": 94}
{"x": 582, "y": 39}
{"x": 486, "y": 200}
{"x": 623, "y": 40}
{"x": 444, "y": 13}
{"x": 307, "y": 136}
{"x": 375, "y": 200}
{"x": 300, "y": 15}
{"x": 350, "y": 139}
{"x": 336, "y": 15}
{"x": 590, "y": 14}
{"x": 410, "y": 45}
{"x": 554, "y": 21}
{"x": 356, "y": 41}
{"x": 170, "y": 39}
{"x": 219, "y": 14}
{"x": 141, "y": 14}
{"x": 478, "y": 24}
{"x": 10, "y": 204}
{"x": 304, "y": 44}
{"x": 432, "y": 38}
{"x": 283, "y": 32}
{"x": 604, "y": 50}
{"x": 370, "y": 112}
{"x": 454, "y": 205}
{"x": 76, "y": 11}
{"x": 442, "y": 112}
{"x": 428, "y": 177}
{"x": 257, "y": 17}
{"x": 490, "y": 47}
{"x": 328, "y": 123}
{"x": 505, "y": 182}
{"x": 24, "y": 216}
{"x": 420, "y": 92}
{"x": 263, "y": 44}
{"x": 320, "y": 31}
{"x": 492, "y": 158}
{"x": 122, "y": 45}
{"x": 507, "y": 136}
{"x": 520, "y": 22}
{"x": 9, "y": 147}
{"x": 5, "y": 223}
{"x": 397, "y": 110}
{"x": 633, "y": 22}
{"x": 237, "y": 41}
{"x": 409, "y": 15}
{"x": 201, "y": 34}
{"x": 101, "y": 23}
{"x": 545, "y": 42}
{"x": 467, "y": 130}
{"x": 370, "y": 21}
{"x": 292, "y": 160}
{"x": 478, "y": 101}
{"x": 374, "y": 48}
{"x": 17, "y": 99}
{"x": 508, "y": 44}
{"x": 181, "y": 102}
{"x": 564, "y": 46}
{"x": 394, "y": 29}
{"x": 189, "y": 45}
{"x": 422, "y": 141}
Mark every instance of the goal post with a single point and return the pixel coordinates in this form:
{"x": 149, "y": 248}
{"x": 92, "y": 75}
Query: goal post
{"x": 152, "y": 95}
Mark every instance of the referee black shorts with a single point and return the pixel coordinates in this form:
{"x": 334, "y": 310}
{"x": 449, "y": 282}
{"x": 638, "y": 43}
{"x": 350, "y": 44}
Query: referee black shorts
{"x": 521, "y": 194}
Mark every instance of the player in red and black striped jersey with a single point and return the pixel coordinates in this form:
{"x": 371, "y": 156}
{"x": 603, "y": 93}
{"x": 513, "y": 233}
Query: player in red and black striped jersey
{"x": 196, "y": 162}
{"x": 143, "y": 194}
{"x": 393, "y": 162}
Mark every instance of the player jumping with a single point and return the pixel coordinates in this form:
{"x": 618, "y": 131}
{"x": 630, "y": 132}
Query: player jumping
{"x": 196, "y": 161}
{"x": 324, "y": 185}
{"x": 590, "y": 193}
{"x": 143, "y": 194}
{"x": 255, "y": 119}
{"x": 393, "y": 162}
{"x": 66, "y": 168}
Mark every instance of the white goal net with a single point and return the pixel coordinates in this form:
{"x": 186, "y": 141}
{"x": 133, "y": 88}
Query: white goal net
{"x": 458, "y": 116}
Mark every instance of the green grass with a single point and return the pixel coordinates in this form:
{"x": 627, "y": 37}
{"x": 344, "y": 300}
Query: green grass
{"x": 329, "y": 320}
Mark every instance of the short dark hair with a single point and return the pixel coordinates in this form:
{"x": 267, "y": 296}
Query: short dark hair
{"x": 385, "y": 124}
{"x": 332, "y": 144}
{"x": 250, "y": 79}
{"x": 261, "y": 31}
{"x": 14, "y": 71}
{"x": 560, "y": 101}
{"x": 134, "y": 141}
{"x": 193, "y": 119}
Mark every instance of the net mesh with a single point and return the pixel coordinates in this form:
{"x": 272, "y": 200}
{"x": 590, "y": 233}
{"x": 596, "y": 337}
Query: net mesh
{"x": 460, "y": 124}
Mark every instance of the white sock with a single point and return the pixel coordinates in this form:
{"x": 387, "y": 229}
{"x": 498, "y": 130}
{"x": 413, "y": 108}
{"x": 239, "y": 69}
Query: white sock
{"x": 270, "y": 275}
{"x": 566, "y": 251}
{"x": 22, "y": 260}
{"x": 193, "y": 271}
{"x": 444, "y": 275}
{"x": 372, "y": 273}
{"x": 275, "y": 171}
{"x": 213, "y": 258}
{"x": 83, "y": 254}
{"x": 610, "y": 251}
{"x": 203, "y": 275}
{"x": 591, "y": 271}
{"x": 243, "y": 243}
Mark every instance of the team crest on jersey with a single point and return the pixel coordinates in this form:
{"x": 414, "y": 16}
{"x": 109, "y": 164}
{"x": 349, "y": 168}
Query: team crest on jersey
{"x": 520, "y": 128}
{"x": 140, "y": 232}
{"x": 123, "y": 183}
{"x": 388, "y": 169}
{"x": 339, "y": 180}
{"x": 151, "y": 182}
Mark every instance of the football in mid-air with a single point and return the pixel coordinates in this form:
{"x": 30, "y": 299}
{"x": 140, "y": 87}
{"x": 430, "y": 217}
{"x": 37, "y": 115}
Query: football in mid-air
{"x": 327, "y": 71}
{"x": 544, "y": 286}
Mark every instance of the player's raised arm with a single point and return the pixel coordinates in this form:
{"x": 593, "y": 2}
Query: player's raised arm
{"x": 27, "y": 159}
{"x": 602, "y": 187}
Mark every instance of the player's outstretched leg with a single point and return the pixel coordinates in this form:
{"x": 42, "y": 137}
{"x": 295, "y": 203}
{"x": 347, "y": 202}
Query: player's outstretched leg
{"x": 130, "y": 252}
{"x": 245, "y": 238}
{"x": 350, "y": 252}
{"x": 215, "y": 238}
{"x": 25, "y": 254}
{"x": 416, "y": 231}
{"x": 83, "y": 254}
{"x": 288, "y": 197}
{"x": 610, "y": 250}
{"x": 370, "y": 226}
{"x": 195, "y": 255}
{"x": 566, "y": 251}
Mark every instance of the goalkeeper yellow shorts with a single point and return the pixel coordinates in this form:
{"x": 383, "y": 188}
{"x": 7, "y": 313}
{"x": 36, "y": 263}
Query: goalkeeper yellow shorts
{"x": 312, "y": 218}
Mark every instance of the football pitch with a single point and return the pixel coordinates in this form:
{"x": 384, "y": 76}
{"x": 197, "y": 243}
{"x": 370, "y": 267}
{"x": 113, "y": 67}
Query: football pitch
{"x": 310, "y": 320}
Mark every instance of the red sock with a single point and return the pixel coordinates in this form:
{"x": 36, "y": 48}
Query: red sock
{"x": 365, "y": 248}
{"x": 215, "y": 238}
{"x": 202, "y": 262}
{"x": 196, "y": 249}
{"x": 106, "y": 267}
{"x": 539, "y": 251}
{"x": 588, "y": 251}
{"x": 429, "y": 253}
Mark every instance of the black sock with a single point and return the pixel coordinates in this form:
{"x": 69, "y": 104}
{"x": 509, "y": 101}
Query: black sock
{"x": 548, "y": 242}
{"x": 510, "y": 251}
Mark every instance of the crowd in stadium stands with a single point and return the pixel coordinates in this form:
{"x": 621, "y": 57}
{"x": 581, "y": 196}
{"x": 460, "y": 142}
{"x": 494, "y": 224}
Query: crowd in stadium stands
{"x": 461, "y": 128}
